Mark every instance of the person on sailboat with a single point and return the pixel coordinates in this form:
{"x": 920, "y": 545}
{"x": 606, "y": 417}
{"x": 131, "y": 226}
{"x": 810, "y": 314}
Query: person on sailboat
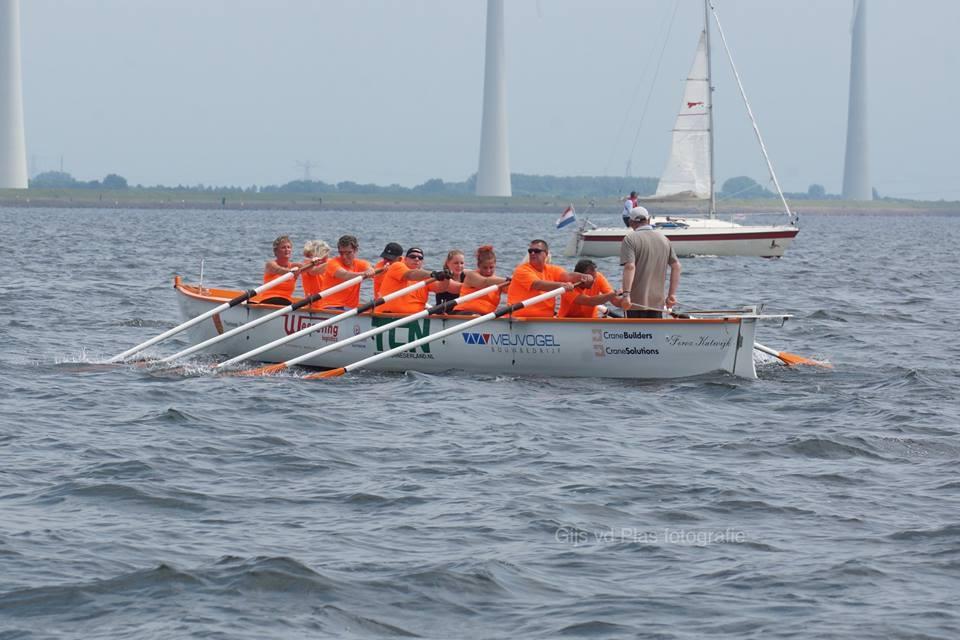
{"x": 628, "y": 205}
{"x": 645, "y": 254}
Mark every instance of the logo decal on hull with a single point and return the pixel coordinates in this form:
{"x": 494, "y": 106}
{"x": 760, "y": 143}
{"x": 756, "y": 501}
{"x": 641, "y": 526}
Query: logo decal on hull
{"x": 399, "y": 336}
{"x": 700, "y": 342}
{"x": 514, "y": 342}
{"x": 618, "y": 348}
{"x": 292, "y": 324}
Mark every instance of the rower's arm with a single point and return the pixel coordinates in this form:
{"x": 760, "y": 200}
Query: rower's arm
{"x": 477, "y": 281}
{"x": 550, "y": 285}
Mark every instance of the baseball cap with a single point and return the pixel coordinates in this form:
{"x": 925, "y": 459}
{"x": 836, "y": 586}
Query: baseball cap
{"x": 639, "y": 213}
{"x": 416, "y": 250}
{"x": 392, "y": 250}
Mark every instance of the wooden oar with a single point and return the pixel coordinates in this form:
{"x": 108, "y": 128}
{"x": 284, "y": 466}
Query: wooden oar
{"x": 440, "y": 308}
{"x": 243, "y": 297}
{"x": 270, "y": 316}
{"x": 790, "y": 359}
{"x": 326, "y": 323}
{"x": 332, "y": 373}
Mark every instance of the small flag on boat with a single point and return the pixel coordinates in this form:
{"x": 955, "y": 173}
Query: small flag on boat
{"x": 568, "y": 217}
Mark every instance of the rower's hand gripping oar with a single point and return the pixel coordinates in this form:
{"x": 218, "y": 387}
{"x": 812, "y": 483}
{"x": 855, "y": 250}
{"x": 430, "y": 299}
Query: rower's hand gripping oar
{"x": 332, "y": 373}
{"x": 320, "y": 325}
{"x": 270, "y": 316}
{"x": 440, "y": 308}
{"x": 243, "y": 297}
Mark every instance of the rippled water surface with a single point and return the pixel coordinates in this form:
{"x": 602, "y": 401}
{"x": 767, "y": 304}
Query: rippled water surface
{"x": 808, "y": 503}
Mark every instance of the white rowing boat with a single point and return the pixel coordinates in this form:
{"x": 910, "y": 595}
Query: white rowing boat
{"x": 604, "y": 348}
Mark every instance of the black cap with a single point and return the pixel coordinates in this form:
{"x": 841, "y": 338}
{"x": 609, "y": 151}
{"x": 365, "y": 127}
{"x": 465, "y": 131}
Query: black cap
{"x": 415, "y": 250}
{"x": 392, "y": 250}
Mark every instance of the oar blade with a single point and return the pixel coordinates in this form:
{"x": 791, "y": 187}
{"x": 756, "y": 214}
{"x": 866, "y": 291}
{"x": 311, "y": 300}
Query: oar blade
{"x": 792, "y": 359}
{"x": 332, "y": 373}
{"x": 262, "y": 371}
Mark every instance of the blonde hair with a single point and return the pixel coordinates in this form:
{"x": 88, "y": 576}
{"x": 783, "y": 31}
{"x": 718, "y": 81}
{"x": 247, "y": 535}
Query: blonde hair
{"x": 316, "y": 249}
{"x": 280, "y": 240}
{"x": 451, "y": 254}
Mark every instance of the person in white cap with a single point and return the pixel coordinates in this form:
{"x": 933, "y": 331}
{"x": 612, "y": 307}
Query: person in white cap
{"x": 645, "y": 254}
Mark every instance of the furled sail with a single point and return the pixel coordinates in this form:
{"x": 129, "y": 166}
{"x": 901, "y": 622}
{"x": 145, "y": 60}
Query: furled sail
{"x": 687, "y": 174}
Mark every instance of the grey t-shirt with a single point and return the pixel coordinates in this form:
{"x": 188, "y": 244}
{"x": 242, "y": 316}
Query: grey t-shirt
{"x": 651, "y": 251}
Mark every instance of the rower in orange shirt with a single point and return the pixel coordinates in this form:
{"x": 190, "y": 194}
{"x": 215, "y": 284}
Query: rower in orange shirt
{"x": 273, "y": 269}
{"x": 481, "y": 277}
{"x": 391, "y": 253}
{"x": 341, "y": 268}
{"x": 402, "y": 274}
{"x": 311, "y": 278}
{"x": 537, "y": 275}
{"x": 583, "y": 303}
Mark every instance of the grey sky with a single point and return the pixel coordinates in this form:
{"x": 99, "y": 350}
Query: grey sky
{"x": 236, "y": 92}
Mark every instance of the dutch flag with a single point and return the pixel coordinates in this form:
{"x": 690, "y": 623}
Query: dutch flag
{"x": 566, "y": 218}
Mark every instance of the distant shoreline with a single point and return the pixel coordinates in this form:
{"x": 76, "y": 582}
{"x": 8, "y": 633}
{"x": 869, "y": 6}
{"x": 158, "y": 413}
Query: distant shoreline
{"x": 82, "y": 198}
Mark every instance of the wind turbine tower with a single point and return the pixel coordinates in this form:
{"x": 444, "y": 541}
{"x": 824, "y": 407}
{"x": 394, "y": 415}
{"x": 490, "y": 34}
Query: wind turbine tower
{"x": 856, "y": 167}
{"x": 493, "y": 173}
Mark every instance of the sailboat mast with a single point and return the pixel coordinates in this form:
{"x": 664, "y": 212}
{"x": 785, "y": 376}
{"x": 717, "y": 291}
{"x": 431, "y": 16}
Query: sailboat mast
{"x": 706, "y": 36}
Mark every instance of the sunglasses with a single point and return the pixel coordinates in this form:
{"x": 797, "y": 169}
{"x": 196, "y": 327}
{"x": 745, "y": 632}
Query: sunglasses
{"x": 533, "y": 250}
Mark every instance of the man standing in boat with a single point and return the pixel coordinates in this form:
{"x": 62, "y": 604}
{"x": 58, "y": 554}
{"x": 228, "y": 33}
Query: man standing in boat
{"x": 628, "y": 206}
{"x": 645, "y": 254}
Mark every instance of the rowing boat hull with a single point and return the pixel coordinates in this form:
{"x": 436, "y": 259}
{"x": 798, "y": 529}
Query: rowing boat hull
{"x": 703, "y": 237}
{"x": 602, "y": 348}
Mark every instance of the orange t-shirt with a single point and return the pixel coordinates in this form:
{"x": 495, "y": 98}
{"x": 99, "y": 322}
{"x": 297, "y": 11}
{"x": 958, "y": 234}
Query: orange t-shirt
{"x": 521, "y": 288}
{"x": 284, "y": 289}
{"x": 570, "y": 309}
{"x": 377, "y": 279}
{"x": 393, "y": 280}
{"x": 482, "y": 305}
{"x": 311, "y": 282}
{"x": 349, "y": 297}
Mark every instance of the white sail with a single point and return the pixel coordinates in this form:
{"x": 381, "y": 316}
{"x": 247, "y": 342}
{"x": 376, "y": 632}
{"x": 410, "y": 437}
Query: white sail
{"x": 687, "y": 174}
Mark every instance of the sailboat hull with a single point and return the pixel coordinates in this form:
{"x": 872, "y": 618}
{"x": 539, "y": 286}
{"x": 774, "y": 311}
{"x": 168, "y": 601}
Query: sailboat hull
{"x": 701, "y": 237}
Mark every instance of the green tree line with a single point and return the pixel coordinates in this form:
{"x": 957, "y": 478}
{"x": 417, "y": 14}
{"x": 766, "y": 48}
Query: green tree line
{"x": 740, "y": 187}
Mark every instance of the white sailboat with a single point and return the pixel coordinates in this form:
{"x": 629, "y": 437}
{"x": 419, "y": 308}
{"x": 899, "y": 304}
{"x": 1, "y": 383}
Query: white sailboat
{"x": 689, "y": 176}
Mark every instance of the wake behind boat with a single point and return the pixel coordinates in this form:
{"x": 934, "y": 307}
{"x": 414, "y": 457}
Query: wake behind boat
{"x": 689, "y": 176}
{"x": 721, "y": 341}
